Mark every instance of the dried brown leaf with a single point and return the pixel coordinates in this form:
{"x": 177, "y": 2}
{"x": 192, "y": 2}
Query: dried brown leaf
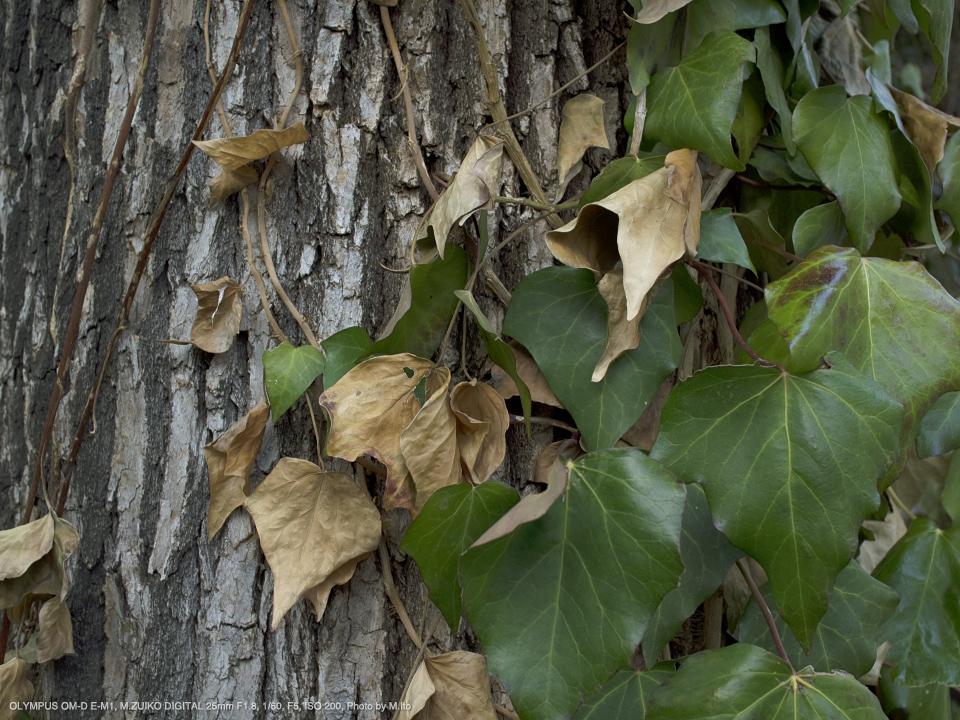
{"x": 54, "y": 631}
{"x": 529, "y": 372}
{"x": 622, "y": 334}
{"x": 370, "y": 407}
{"x": 926, "y": 126}
{"x": 581, "y": 128}
{"x": 429, "y": 443}
{"x": 320, "y": 594}
{"x": 656, "y": 9}
{"x": 224, "y": 184}
{"x": 235, "y": 152}
{"x": 886, "y": 533}
{"x": 548, "y": 456}
{"x": 45, "y": 576}
{"x": 451, "y": 686}
{"x": 230, "y": 459}
{"x": 482, "y": 422}
{"x": 474, "y": 188}
{"x": 23, "y": 545}
{"x": 15, "y": 687}
{"x": 311, "y": 524}
{"x": 840, "y": 56}
{"x": 220, "y": 305}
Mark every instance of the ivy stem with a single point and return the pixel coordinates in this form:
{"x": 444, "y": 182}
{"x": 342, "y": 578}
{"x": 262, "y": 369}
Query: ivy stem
{"x": 767, "y": 615}
{"x": 737, "y": 278}
{"x": 518, "y": 420}
{"x": 704, "y": 271}
{"x": 895, "y": 499}
{"x": 639, "y": 120}
{"x": 395, "y": 600}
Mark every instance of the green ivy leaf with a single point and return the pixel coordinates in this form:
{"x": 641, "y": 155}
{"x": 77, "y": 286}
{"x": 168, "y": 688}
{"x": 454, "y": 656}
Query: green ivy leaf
{"x": 651, "y": 45}
{"x": 619, "y": 174}
{"x": 625, "y": 695}
{"x": 848, "y": 146}
{"x": 771, "y": 72}
{"x": 707, "y": 557}
{"x": 421, "y": 328}
{"x": 706, "y": 16}
{"x": 940, "y": 427}
{"x": 288, "y": 372}
{"x": 343, "y": 350}
{"x": 848, "y": 635}
{"x": 752, "y": 117}
{"x": 560, "y": 603}
{"x": 818, "y": 226}
{"x": 453, "y": 518}
{"x": 743, "y": 681}
{"x": 949, "y": 171}
{"x": 559, "y": 315}
{"x": 935, "y": 18}
{"x": 694, "y": 104}
{"x": 763, "y": 241}
{"x": 930, "y": 703}
{"x": 721, "y": 241}
{"x": 924, "y": 634}
{"x": 789, "y": 464}
{"x": 687, "y": 295}
{"x": 892, "y": 321}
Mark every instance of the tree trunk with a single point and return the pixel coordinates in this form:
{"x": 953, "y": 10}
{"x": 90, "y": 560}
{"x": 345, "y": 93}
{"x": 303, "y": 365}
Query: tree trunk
{"x": 160, "y": 613}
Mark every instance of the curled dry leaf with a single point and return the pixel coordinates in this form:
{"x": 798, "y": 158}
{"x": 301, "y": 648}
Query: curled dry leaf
{"x": 656, "y": 9}
{"x": 622, "y": 334}
{"x": 429, "y": 444}
{"x": 311, "y": 524}
{"x": 926, "y": 126}
{"x": 23, "y": 545}
{"x": 44, "y": 576}
{"x": 482, "y": 422}
{"x": 530, "y": 373}
{"x": 370, "y": 407}
{"x": 580, "y": 128}
{"x": 54, "y": 631}
{"x": 655, "y": 220}
{"x": 224, "y": 184}
{"x": 230, "y": 459}
{"x": 451, "y": 685}
{"x": 235, "y": 152}
{"x": 220, "y": 305}
{"x": 548, "y": 456}
{"x": 320, "y": 594}
{"x": 15, "y": 687}
{"x": 840, "y": 56}
{"x": 474, "y": 188}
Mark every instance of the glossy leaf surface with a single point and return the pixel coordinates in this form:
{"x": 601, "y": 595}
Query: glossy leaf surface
{"x": 288, "y": 372}
{"x": 343, "y": 350}
{"x": 940, "y": 427}
{"x": 625, "y": 695}
{"x": 721, "y": 241}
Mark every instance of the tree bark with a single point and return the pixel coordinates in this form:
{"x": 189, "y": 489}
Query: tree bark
{"x": 160, "y": 613}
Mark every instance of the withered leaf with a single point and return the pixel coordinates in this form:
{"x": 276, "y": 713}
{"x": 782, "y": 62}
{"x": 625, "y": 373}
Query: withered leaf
{"x": 622, "y": 334}
{"x": 234, "y": 152}
{"x": 220, "y": 305}
{"x": 320, "y": 594}
{"x": 580, "y": 128}
{"x": 655, "y": 220}
{"x": 54, "y": 631}
{"x": 310, "y": 524}
{"x": 230, "y": 459}
{"x": 886, "y": 533}
{"x": 656, "y": 9}
{"x": 23, "y": 545}
{"x": 548, "y": 456}
{"x": 450, "y": 686}
{"x": 482, "y": 422}
{"x": 370, "y": 407}
{"x": 224, "y": 184}
{"x": 530, "y": 373}
{"x": 474, "y": 188}
{"x": 15, "y": 687}
{"x": 45, "y": 576}
{"x": 926, "y": 126}
{"x": 429, "y": 444}
{"x": 841, "y": 57}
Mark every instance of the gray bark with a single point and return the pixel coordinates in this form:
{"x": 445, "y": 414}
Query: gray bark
{"x": 161, "y": 613}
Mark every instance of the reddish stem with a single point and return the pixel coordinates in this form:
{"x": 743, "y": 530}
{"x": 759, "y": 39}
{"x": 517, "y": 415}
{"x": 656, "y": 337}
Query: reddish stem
{"x": 767, "y": 615}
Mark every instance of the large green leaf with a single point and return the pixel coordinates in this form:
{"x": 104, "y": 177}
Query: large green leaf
{"x": 560, "y": 603}
{"x": 559, "y": 315}
{"x": 848, "y": 635}
{"x": 743, "y": 682}
{"x": 818, "y": 226}
{"x": 625, "y": 695}
{"x": 928, "y": 703}
{"x": 940, "y": 427}
{"x": 706, "y": 16}
{"x": 343, "y": 350}
{"x": 949, "y": 171}
{"x": 771, "y": 72}
{"x": 721, "y": 241}
{"x": 924, "y": 634}
{"x": 935, "y": 18}
{"x": 288, "y": 372}
{"x": 707, "y": 557}
{"x": 694, "y": 104}
{"x": 420, "y": 330}
{"x": 789, "y": 464}
{"x": 453, "y": 518}
{"x": 891, "y": 320}
{"x": 687, "y": 294}
{"x": 848, "y": 146}
{"x": 619, "y": 174}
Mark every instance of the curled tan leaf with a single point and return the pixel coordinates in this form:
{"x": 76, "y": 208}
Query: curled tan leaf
{"x": 530, "y": 373}
{"x": 482, "y": 422}
{"x": 926, "y": 126}
{"x": 548, "y": 456}
{"x": 656, "y": 9}
{"x": 54, "y": 631}
{"x": 474, "y": 188}
{"x": 45, "y": 576}
{"x": 23, "y": 545}
{"x": 622, "y": 334}
{"x": 220, "y": 305}
{"x": 15, "y": 687}
{"x": 230, "y": 459}
{"x": 310, "y": 524}
{"x": 224, "y": 184}
{"x": 320, "y": 594}
{"x": 840, "y": 56}
{"x": 234, "y": 152}
{"x": 451, "y": 685}
{"x": 581, "y": 128}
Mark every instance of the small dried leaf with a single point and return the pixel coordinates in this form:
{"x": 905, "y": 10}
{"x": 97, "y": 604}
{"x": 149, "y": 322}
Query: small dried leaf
{"x": 581, "y": 128}
{"x": 926, "y": 126}
{"x": 230, "y": 459}
{"x": 474, "y": 188}
{"x": 370, "y": 407}
{"x": 45, "y": 576}
{"x": 320, "y": 594}
{"x": 220, "y": 305}
{"x": 233, "y": 153}
{"x": 656, "y": 9}
{"x": 530, "y": 373}
{"x": 54, "y": 631}
{"x": 418, "y": 693}
{"x": 429, "y": 443}
{"x": 886, "y": 533}
{"x": 548, "y": 456}
{"x": 224, "y": 184}
{"x": 840, "y": 56}
{"x": 482, "y": 422}
{"x": 23, "y": 545}
{"x": 15, "y": 687}
{"x": 622, "y": 334}
{"x": 310, "y": 523}
{"x": 448, "y": 686}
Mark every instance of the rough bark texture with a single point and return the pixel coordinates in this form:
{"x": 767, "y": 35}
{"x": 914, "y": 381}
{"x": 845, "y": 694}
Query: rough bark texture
{"x": 160, "y": 613}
